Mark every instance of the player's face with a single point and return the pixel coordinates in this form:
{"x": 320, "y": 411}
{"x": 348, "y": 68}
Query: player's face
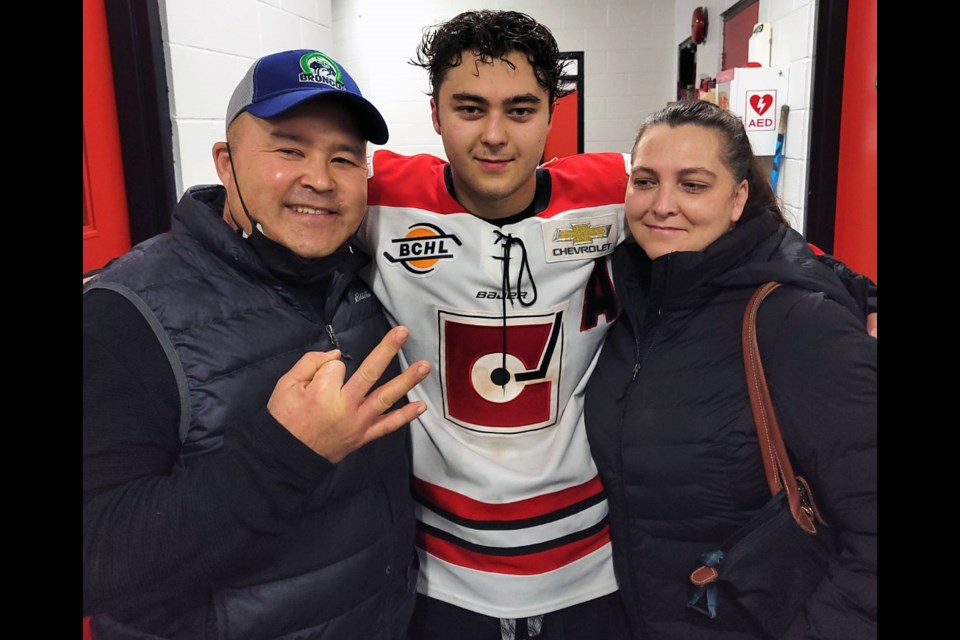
{"x": 303, "y": 176}
{"x": 493, "y": 119}
{"x": 681, "y": 196}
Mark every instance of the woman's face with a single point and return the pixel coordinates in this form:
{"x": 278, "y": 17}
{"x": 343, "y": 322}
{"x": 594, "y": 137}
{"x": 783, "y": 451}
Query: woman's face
{"x": 680, "y": 196}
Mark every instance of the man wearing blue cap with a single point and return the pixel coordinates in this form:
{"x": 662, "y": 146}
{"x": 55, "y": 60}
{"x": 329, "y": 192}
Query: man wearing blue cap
{"x": 245, "y": 450}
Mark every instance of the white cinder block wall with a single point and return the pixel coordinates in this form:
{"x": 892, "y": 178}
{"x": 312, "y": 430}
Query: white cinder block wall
{"x": 209, "y": 45}
{"x": 793, "y": 28}
{"x": 630, "y": 64}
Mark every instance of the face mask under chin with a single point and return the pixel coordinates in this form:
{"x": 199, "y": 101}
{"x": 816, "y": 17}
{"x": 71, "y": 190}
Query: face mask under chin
{"x": 287, "y": 265}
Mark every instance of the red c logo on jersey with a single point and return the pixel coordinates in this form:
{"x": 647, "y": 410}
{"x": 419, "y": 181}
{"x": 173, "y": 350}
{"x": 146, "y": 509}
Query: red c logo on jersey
{"x": 487, "y": 388}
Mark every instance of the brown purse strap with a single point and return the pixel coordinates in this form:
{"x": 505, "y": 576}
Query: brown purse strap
{"x": 776, "y": 463}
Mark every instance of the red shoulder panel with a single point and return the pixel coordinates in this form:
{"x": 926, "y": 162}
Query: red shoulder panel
{"x": 586, "y": 180}
{"x": 410, "y": 181}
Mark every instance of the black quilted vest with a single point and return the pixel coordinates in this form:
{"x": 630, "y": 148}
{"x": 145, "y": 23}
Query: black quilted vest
{"x": 230, "y": 330}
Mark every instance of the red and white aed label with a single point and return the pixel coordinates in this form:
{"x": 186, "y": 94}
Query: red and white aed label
{"x": 761, "y": 111}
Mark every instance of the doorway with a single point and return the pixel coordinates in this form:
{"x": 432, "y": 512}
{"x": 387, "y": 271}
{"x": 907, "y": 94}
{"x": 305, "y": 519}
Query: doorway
{"x": 687, "y": 70}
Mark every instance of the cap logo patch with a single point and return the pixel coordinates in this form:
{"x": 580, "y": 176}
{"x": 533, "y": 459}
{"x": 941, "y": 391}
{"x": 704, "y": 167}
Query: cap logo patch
{"x": 316, "y": 67}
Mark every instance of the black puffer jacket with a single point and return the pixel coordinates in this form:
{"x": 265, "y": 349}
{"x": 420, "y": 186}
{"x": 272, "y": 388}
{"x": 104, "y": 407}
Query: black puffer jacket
{"x": 238, "y": 531}
{"x": 671, "y": 431}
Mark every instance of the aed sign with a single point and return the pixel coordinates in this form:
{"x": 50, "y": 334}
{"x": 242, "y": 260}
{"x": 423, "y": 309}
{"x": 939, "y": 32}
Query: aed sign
{"x": 761, "y": 110}
{"x": 755, "y": 95}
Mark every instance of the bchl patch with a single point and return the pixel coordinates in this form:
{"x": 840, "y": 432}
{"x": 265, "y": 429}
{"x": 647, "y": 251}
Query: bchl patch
{"x": 579, "y": 239}
{"x": 422, "y": 248}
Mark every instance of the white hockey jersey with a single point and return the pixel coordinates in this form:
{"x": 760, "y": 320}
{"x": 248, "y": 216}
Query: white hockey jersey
{"x": 512, "y": 516}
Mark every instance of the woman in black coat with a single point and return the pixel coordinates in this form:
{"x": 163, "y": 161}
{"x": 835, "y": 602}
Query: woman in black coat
{"x": 667, "y": 410}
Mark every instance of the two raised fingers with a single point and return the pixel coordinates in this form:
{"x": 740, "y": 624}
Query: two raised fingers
{"x": 358, "y": 386}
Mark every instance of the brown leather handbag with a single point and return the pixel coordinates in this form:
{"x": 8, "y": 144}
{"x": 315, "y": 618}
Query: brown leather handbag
{"x": 771, "y": 565}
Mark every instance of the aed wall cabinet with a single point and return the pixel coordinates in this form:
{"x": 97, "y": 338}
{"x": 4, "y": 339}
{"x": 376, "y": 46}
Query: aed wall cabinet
{"x": 755, "y": 94}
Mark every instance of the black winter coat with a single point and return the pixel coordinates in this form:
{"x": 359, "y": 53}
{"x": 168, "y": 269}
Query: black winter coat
{"x": 673, "y": 437}
{"x": 240, "y": 530}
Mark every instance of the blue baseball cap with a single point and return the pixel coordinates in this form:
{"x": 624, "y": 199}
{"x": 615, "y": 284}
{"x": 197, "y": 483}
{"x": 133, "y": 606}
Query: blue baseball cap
{"x": 280, "y": 81}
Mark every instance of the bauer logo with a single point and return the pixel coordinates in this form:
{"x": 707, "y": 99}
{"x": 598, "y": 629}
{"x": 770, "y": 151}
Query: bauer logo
{"x": 422, "y": 248}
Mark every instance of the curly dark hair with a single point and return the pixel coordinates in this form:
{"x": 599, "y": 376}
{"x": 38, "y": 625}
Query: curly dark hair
{"x": 491, "y": 35}
{"x": 738, "y": 156}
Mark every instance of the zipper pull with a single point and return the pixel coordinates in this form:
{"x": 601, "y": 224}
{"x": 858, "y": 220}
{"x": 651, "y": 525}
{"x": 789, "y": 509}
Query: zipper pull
{"x": 332, "y": 336}
{"x": 336, "y": 342}
{"x": 636, "y": 370}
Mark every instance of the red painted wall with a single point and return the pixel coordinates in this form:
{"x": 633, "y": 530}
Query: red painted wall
{"x": 855, "y": 235}
{"x": 562, "y": 139}
{"x": 106, "y": 229}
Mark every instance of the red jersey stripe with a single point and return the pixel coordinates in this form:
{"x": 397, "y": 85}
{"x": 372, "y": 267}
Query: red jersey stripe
{"x": 470, "y": 509}
{"x": 527, "y": 564}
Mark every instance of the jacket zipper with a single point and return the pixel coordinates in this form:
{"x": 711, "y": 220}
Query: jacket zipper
{"x": 648, "y": 327}
{"x": 333, "y": 336}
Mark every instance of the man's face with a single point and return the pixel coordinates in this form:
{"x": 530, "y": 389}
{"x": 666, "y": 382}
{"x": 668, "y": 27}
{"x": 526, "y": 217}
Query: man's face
{"x": 303, "y": 176}
{"x": 494, "y": 121}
